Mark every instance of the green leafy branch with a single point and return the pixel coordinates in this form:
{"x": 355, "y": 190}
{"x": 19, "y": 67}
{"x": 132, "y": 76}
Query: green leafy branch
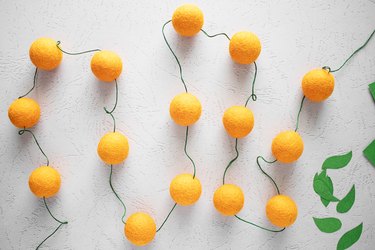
{"x": 323, "y": 186}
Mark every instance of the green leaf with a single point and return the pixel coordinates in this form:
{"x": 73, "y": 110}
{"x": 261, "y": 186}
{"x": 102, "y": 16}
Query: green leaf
{"x": 350, "y": 237}
{"x": 369, "y": 151}
{"x": 321, "y": 187}
{"x": 337, "y": 161}
{"x": 347, "y": 202}
{"x": 328, "y": 225}
{"x": 372, "y": 89}
{"x": 324, "y": 177}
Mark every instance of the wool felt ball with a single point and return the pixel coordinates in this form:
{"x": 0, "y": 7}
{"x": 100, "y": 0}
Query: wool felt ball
{"x": 140, "y": 229}
{"x": 44, "y": 54}
{"x": 228, "y": 199}
{"x": 287, "y": 146}
{"x": 281, "y": 211}
{"x": 187, "y": 20}
{"x": 318, "y": 85}
{"x": 185, "y": 109}
{"x": 185, "y": 190}
{"x": 24, "y": 112}
{"x": 44, "y": 181}
{"x": 244, "y": 47}
{"x": 113, "y": 148}
{"x": 106, "y": 65}
{"x": 238, "y": 121}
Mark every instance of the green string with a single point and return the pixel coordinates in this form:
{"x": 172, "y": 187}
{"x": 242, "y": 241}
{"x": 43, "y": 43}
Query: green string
{"x": 264, "y": 172}
{"x": 219, "y": 34}
{"x": 251, "y": 223}
{"x": 117, "y": 196}
{"x": 233, "y": 160}
{"x": 166, "y": 217}
{"x": 75, "y": 53}
{"x": 186, "y": 153}
{"x": 113, "y": 109}
{"x": 299, "y": 112}
{"x": 253, "y": 95}
{"x": 21, "y": 132}
{"x": 61, "y": 223}
{"x": 355, "y": 52}
{"x": 34, "y": 83}
{"x": 178, "y": 62}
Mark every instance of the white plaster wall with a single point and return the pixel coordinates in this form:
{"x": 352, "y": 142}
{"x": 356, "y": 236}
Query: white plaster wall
{"x": 296, "y": 37}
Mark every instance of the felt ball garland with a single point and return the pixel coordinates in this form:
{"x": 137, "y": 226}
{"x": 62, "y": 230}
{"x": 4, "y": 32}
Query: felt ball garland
{"x": 185, "y": 110}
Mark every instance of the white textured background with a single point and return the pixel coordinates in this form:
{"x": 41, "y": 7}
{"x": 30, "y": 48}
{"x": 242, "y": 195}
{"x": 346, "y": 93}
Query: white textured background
{"x": 296, "y": 37}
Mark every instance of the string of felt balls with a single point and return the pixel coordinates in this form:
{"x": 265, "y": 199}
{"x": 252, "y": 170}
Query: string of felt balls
{"x": 185, "y": 110}
{"x": 238, "y": 121}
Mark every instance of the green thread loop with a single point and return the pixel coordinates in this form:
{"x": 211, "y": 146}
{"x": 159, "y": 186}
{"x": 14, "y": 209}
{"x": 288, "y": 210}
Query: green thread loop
{"x": 253, "y": 95}
{"x": 75, "y": 53}
{"x": 355, "y": 52}
{"x": 34, "y": 83}
{"x": 178, "y": 62}
{"x": 166, "y": 217}
{"x": 61, "y": 223}
{"x": 117, "y": 196}
{"x": 113, "y": 109}
{"x": 21, "y": 132}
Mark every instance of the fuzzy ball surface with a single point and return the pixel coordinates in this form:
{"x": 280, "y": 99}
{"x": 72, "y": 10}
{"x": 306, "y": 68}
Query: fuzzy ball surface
{"x": 113, "y": 148}
{"x": 185, "y": 109}
{"x": 187, "y": 20}
{"x": 44, "y": 181}
{"x": 244, "y": 47}
{"x": 140, "y": 229}
{"x": 24, "y": 112}
{"x": 229, "y": 199}
{"x": 281, "y": 211}
{"x": 185, "y": 190}
{"x": 287, "y": 146}
{"x": 238, "y": 121}
{"x": 318, "y": 85}
{"x": 106, "y": 65}
{"x": 44, "y": 54}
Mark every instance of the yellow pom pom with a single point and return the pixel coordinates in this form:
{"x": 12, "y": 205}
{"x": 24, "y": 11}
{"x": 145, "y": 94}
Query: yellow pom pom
{"x": 187, "y": 20}
{"x": 281, "y": 210}
{"x": 287, "y": 146}
{"x": 244, "y": 47}
{"x": 106, "y": 65}
{"x": 318, "y": 85}
{"x": 185, "y": 190}
{"x": 228, "y": 199}
{"x": 140, "y": 229}
{"x": 238, "y": 121}
{"x": 185, "y": 109}
{"x": 113, "y": 148}
{"x": 44, "y": 53}
{"x": 44, "y": 181}
{"x": 24, "y": 112}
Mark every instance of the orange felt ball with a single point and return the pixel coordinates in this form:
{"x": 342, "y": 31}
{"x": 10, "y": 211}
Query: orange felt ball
{"x": 24, "y": 112}
{"x": 187, "y": 20}
{"x": 44, "y": 53}
{"x": 318, "y": 85}
{"x": 281, "y": 210}
{"x": 44, "y": 181}
{"x": 244, "y": 47}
